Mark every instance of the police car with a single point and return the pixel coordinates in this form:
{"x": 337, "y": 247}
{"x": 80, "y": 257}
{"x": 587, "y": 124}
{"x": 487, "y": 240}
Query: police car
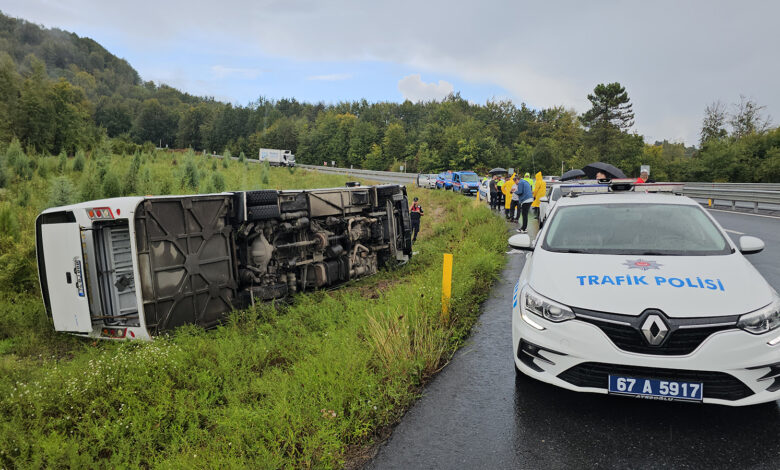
{"x": 636, "y": 290}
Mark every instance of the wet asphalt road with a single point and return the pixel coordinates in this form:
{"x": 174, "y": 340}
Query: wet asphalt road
{"x": 478, "y": 414}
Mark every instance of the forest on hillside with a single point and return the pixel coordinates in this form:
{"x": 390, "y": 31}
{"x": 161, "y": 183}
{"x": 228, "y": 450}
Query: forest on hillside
{"x": 62, "y": 93}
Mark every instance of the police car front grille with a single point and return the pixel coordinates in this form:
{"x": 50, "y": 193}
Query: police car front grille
{"x": 715, "y": 384}
{"x": 685, "y": 334}
{"x": 679, "y": 342}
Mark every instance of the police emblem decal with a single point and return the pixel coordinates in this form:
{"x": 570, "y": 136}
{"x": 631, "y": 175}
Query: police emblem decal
{"x": 642, "y": 264}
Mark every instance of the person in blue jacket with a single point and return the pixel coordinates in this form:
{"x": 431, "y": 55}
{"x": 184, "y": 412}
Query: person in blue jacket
{"x": 525, "y": 197}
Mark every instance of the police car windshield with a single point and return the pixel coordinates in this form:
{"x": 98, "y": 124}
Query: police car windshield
{"x": 637, "y": 229}
{"x": 468, "y": 178}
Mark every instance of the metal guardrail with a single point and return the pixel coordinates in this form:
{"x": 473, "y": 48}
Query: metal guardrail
{"x": 755, "y": 193}
{"x": 389, "y": 176}
{"x": 750, "y": 186}
{"x": 755, "y": 197}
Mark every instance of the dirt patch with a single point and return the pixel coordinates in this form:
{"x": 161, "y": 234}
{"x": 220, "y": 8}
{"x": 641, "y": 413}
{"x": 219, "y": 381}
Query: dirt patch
{"x": 357, "y": 456}
{"x": 374, "y": 291}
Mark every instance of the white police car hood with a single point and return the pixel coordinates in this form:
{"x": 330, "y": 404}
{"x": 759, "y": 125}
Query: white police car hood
{"x": 680, "y": 286}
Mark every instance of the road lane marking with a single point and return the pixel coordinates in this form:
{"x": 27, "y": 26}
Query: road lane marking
{"x": 733, "y": 231}
{"x": 744, "y": 213}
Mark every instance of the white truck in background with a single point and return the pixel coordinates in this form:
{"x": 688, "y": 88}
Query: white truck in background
{"x": 276, "y": 157}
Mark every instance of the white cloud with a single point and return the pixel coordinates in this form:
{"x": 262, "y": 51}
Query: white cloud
{"x": 414, "y": 89}
{"x": 333, "y": 77}
{"x": 221, "y": 72}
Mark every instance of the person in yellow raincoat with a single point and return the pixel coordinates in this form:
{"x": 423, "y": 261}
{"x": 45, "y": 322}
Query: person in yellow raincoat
{"x": 540, "y": 189}
{"x": 506, "y": 190}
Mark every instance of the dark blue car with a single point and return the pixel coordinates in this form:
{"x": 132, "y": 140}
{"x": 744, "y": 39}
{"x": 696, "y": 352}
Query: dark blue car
{"x": 444, "y": 180}
{"x": 465, "y": 182}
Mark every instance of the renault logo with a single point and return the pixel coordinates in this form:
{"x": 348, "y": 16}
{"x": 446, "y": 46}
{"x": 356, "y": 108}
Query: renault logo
{"x": 654, "y": 329}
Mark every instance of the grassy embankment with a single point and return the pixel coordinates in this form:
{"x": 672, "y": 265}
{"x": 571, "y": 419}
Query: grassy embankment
{"x": 300, "y": 385}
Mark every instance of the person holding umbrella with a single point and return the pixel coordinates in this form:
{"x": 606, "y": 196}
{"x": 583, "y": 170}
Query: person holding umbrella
{"x": 601, "y": 170}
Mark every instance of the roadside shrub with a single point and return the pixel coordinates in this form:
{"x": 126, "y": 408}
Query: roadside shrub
{"x": 43, "y": 168}
{"x": 18, "y": 162}
{"x": 264, "y": 173}
{"x": 79, "y": 161}
{"x": 191, "y": 175}
{"x": 226, "y": 154}
{"x": 23, "y": 196}
{"x": 225, "y": 163}
{"x": 3, "y": 177}
{"x": 62, "y": 162}
{"x": 90, "y": 187}
{"x": 17, "y": 263}
{"x": 145, "y": 186}
{"x": 9, "y": 225}
{"x": 217, "y": 182}
{"x": 112, "y": 187}
{"x": 131, "y": 177}
{"x": 62, "y": 192}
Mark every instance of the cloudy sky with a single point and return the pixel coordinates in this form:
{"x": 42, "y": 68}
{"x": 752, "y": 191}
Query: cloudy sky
{"x": 673, "y": 57}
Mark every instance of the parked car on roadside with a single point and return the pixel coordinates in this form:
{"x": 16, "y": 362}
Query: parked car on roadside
{"x": 444, "y": 180}
{"x": 425, "y": 180}
{"x": 484, "y": 191}
{"x": 465, "y": 182}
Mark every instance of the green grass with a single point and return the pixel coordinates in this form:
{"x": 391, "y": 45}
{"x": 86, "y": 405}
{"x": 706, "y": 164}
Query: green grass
{"x": 297, "y": 385}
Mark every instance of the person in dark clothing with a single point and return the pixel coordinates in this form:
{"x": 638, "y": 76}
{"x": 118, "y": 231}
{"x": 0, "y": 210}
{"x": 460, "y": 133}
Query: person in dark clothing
{"x": 493, "y": 193}
{"x": 525, "y": 197}
{"x": 415, "y": 212}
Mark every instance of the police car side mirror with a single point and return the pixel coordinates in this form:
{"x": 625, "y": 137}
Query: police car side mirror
{"x": 749, "y": 245}
{"x": 521, "y": 241}
{"x": 544, "y": 199}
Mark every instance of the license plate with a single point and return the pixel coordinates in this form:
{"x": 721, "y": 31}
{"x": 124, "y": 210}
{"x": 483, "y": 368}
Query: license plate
{"x": 655, "y": 389}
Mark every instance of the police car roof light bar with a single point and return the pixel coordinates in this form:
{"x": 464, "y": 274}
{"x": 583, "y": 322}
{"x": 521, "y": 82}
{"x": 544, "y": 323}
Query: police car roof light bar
{"x": 621, "y": 185}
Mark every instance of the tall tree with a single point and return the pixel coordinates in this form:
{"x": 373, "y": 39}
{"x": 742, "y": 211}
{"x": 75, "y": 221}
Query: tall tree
{"x": 748, "y": 118}
{"x": 610, "y": 107}
{"x": 155, "y": 123}
{"x": 713, "y": 125}
{"x": 607, "y": 122}
{"x": 394, "y": 144}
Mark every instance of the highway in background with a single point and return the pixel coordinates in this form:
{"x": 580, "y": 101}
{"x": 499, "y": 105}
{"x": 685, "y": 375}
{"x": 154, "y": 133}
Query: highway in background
{"x": 478, "y": 414}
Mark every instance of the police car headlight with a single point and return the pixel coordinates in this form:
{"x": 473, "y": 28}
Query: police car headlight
{"x": 762, "y": 320}
{"x": 541, "y": 306}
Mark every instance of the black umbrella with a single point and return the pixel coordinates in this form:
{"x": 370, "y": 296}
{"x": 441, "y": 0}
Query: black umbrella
{"x": 606, "y": 168}
{"x": 572, "y": 175}
{"x": 497, "y": 171}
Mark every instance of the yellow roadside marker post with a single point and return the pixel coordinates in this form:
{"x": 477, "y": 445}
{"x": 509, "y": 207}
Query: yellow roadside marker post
{"x": 446, "y": 288}
{"x": 709, "y": 202}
